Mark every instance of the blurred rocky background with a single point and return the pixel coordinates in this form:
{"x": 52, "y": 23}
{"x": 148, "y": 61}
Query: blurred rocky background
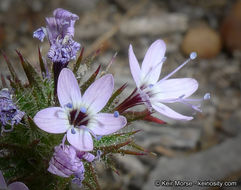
{"x": 207, "y": 148}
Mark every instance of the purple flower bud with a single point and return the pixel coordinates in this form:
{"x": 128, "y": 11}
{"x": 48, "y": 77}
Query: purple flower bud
{"x": 9, "y": 113}
{"x": 65, "y": 162}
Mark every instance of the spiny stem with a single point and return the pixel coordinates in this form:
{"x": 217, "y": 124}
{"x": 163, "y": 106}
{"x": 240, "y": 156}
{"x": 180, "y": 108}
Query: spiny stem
{"x": 95, "y": 177}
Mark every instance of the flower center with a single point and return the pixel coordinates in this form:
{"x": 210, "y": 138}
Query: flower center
{"x": 79, "y": 117}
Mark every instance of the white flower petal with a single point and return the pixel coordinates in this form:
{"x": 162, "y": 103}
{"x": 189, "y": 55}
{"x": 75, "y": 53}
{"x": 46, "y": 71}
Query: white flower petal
{"x": 99, "y": 92}
{"x": 134, "y": 66}
{"x": 52, "y": 120}
{"x": 153, "y": 60}
{"x": 68, "y": 88}
{"x": 108, "y": 124}
{"x": 165, "y": 110}
{"x": 175, "y": 88}
{"x": 81, "y": 140}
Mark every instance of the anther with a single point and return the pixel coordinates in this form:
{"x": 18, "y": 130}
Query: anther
{"x": 116, "y": 114}
{"x": 207, "y": 96}
{"x": 73, "y": 131}
{"x": 193, "y": 55}
{"x": 99, "y": 137}
{"x": 83, "y": 110}
{"x": 69, "y": 105}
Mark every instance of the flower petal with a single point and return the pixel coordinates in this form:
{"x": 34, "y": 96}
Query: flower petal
{"x": 165, "y": 110}
{"x": 174, "y": 88}
{"x": 52, "y": 120}
{"x": 108, "y": 124}
{"x": 134, "y": 66}
{"x": 99, "y": 92}
{"x": 3, "y": 184}
{"x": 52, "y": 169}
{"x": 153, "y": 60}
{"x": 81, "y": 140}
{"x": 17, "y": 186}
{"x": 68, "y": 88}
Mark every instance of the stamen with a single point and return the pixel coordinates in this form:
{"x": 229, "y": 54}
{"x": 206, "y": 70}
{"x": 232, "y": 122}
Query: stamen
{"x": 116, "y": 114}
{"x": 83, "y": 110}
{"x": 145, "y": 98}
{"x": 73, "y": 131}
{"x": 150, "y": 85}
{"x": 192, "y": 56}
{"x": 69, "y": 105}
{"x": 99, "y": 137}
{"x": 207, "y": 96}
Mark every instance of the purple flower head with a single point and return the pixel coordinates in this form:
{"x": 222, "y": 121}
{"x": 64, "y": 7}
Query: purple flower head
{"x": 12, "y": 186}
{"x": 9, "y": 113}
{"x": 65, "y": 161}
{"x": 60, "y": 31}
{"x": 79, "y": 114}
{"x": 156, "y": 93}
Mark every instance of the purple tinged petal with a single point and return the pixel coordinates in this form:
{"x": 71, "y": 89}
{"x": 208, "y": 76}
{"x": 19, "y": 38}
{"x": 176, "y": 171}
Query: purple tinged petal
{"x": 66, "y": 21}
{"x": 40, "y": 34}
{"x": 153, "y": 61}
{"x": 52, "y": 120}
{"x": 17, "y": 186}
{"x": 81, "y": 140}
{"x": 99, "y": 92}
{"x": 3, "y": 184}
{"x": 108, "y": 124}
{"x": 52, "y": 169}
{"x": 175, "y": 88}
{"x": 68, "y": 89}
{"x": 60, "y": 13}
{"x": 52, "y": 31}
{"x": 165, "y": 110}
{"x": 134, "y": 66}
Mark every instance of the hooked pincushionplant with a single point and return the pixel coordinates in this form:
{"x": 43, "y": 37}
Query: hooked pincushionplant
{"x": 86, "y": 113}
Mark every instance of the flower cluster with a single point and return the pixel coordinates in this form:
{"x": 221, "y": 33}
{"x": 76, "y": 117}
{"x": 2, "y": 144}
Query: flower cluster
{"x": 60, "y": 32}
{"x": 9, "y": 113}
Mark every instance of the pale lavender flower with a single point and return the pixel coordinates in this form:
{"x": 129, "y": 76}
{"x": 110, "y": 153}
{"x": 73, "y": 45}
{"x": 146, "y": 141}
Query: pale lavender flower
{"x": 156, "y": 93}
{"x": 79, "y": 115}
{"x": 9, "y": 113}
{"x": 12, "y": 186}
{"x": 60, "y": 31}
